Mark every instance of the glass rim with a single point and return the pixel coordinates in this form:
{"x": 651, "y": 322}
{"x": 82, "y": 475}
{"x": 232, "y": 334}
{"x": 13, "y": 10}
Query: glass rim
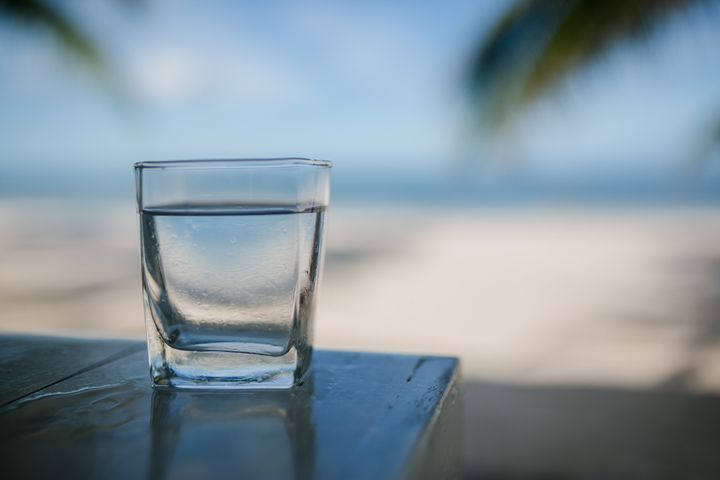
{"x": 235, "y": 163}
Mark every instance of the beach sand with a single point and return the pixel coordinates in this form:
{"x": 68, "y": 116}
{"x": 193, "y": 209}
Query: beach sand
{"x": 613, "y": 297}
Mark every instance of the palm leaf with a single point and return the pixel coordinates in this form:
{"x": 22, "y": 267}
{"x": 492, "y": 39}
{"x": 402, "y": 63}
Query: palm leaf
{"x": 38, "y": 12}
{"x": 538, "y": 43}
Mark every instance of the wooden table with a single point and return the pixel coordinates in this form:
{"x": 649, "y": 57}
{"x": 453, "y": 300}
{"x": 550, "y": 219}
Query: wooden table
{"x": 72, "y": 408}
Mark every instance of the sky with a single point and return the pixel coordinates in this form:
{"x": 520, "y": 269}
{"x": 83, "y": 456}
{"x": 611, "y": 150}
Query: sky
{"x": 373, "y": 86}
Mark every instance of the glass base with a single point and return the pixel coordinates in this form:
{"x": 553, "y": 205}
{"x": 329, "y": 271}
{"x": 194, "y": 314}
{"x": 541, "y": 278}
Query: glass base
{"x": 171, "y": 367}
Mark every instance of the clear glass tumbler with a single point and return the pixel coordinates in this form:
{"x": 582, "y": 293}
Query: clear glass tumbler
{"x": 231, "y": 256}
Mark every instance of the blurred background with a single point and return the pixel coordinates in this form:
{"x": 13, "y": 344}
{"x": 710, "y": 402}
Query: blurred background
{"x": 531, "y": 186}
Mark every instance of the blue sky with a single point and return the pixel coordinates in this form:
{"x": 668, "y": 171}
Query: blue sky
{"x": 370, "y": 85}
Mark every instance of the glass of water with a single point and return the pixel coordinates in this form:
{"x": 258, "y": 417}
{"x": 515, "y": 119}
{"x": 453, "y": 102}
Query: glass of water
{"x": 231, "y": 257}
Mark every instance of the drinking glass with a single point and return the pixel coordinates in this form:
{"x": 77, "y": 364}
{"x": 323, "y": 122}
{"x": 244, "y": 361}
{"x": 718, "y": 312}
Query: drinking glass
{"x": 231, "y": 258}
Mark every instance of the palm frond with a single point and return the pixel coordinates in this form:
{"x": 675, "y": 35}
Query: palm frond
{"x": 538, "y": 43}
{"x": 43, "y": 14}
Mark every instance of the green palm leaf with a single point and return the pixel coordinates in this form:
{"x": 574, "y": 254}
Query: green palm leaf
{"x": 538, "y": 43}
{"x": 70, "y": 36}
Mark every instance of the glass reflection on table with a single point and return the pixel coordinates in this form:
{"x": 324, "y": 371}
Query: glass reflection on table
{"x": 262, "y": 434}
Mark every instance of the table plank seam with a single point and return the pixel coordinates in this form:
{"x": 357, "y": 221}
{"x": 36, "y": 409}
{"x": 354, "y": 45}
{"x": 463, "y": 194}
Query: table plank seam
{"x": 115, "y": 356}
